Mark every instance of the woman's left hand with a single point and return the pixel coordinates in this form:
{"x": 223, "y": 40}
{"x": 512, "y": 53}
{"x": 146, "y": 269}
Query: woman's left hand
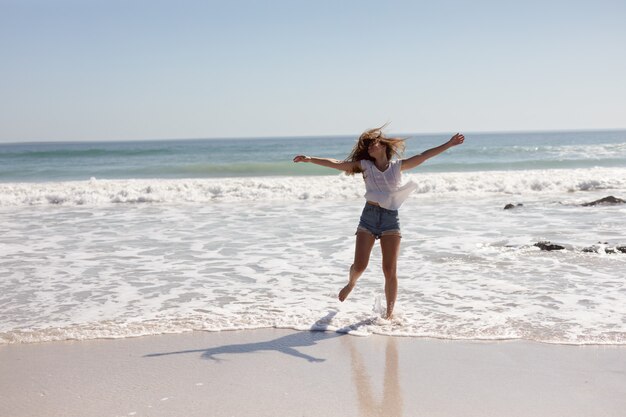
{"x": 456, "y": 139}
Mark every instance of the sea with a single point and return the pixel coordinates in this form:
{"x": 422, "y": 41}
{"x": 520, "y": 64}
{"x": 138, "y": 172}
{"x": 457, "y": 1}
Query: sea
{"x": 124, "y": 239}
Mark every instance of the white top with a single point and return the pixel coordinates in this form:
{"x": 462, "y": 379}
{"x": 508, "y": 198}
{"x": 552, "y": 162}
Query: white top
{"x": 385, "y": 187}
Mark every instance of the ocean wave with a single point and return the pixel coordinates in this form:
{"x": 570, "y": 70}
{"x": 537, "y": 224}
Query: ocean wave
{"x": 337, "y": 187}
{"x": 548, "y": 151}
{"x": 82, "y": 153}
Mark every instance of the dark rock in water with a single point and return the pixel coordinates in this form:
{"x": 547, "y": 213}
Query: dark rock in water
{"x": 512, "y": 206}
{"x": 604, "y": 249}
{"x": 597, "y": 249}
{"x": 548, "y": 246}
{"x": 606, "y": 200}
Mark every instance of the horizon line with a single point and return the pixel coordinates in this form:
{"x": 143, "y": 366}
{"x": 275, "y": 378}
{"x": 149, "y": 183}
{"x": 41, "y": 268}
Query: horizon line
{"x": 304, "y": 136}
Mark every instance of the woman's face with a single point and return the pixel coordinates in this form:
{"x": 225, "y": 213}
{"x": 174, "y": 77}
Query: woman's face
{"x": 376, "y": 148}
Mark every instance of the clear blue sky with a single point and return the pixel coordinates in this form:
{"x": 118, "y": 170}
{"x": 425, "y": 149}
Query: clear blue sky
{"x": 135, "y": 69}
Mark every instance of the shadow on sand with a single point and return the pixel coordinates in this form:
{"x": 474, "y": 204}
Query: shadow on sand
{"x": 286, "y": 344}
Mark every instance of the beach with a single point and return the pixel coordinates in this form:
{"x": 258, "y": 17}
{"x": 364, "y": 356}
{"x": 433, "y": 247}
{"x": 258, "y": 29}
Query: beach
{"x": 171, "y": 278}
{"x": 188, "y": 193}
{"x": 279, "y": 372}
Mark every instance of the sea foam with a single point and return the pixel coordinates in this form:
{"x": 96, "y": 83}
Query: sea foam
{"x": 95, "y": 192}
{"x": 467, "y": 270}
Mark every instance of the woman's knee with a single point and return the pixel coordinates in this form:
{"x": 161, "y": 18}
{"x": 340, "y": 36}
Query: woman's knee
{"x": 359, "y": 267}
{"x": 389, "y": 269}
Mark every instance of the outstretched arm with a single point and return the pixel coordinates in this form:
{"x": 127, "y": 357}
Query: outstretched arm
{"x": 327, "y": 162}
{"x": 414, "y": 161}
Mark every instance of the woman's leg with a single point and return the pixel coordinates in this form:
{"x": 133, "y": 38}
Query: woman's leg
{"x": 364, "y": 244}
{"x": 390, "y": 247}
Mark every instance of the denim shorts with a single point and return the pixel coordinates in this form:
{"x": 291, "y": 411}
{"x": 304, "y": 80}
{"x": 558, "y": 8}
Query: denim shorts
{"x": 379, "y": 221}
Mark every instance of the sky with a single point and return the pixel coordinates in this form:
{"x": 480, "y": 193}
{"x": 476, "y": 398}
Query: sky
{"x": 134, "y": 69}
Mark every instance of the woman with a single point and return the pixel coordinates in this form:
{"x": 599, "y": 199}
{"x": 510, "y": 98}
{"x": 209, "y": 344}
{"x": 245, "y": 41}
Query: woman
{"x": 385, "y": 193}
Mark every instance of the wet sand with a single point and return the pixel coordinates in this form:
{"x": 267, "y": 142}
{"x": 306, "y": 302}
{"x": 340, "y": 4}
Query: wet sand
{"x": 275, "y": 372}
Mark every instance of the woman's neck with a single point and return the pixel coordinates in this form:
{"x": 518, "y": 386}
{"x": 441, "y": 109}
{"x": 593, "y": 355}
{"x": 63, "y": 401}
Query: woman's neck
{"x": 381, "y": 163}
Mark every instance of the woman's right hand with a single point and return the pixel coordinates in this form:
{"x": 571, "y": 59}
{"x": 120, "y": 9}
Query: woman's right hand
{"x": 456, "y": 139}
{"x": 302, "y": 158}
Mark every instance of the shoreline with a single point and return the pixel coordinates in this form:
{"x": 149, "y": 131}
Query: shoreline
{"x": 348, "y": 331}
{"x": 280, "y": 372}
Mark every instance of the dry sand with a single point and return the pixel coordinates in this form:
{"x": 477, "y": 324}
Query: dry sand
{"x": 272, "y": 372}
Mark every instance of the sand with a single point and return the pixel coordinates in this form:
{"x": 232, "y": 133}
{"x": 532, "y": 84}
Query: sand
{"x": 274, "y": 372}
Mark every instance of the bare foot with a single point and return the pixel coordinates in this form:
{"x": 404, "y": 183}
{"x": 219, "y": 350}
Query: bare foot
{"x": 389, "y": 312}
{"x": 345, "y": 291}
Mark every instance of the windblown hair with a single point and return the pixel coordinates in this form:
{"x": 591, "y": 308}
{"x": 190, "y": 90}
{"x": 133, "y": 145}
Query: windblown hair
{"x": 394, "y": 146}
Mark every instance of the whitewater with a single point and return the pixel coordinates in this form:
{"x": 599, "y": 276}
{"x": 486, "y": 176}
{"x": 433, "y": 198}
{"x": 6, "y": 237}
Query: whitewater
{"x": 119, "y": 258}
{"x": 95, "y": 192}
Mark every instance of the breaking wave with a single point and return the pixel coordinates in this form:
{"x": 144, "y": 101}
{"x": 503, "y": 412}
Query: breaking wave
{"x": 337, "y": 187}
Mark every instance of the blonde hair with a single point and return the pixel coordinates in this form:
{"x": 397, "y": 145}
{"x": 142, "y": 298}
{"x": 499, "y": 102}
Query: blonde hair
{"x": 394, "y": 146}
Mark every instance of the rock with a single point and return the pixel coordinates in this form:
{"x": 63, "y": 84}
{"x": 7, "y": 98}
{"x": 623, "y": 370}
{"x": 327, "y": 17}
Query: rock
{"x": 512, "y": 206}
{"x": 605, "y": 201}
{"x": 602, "y": 248}
{"x": 596, "y": 249}
{"x": 548, "y": 246}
